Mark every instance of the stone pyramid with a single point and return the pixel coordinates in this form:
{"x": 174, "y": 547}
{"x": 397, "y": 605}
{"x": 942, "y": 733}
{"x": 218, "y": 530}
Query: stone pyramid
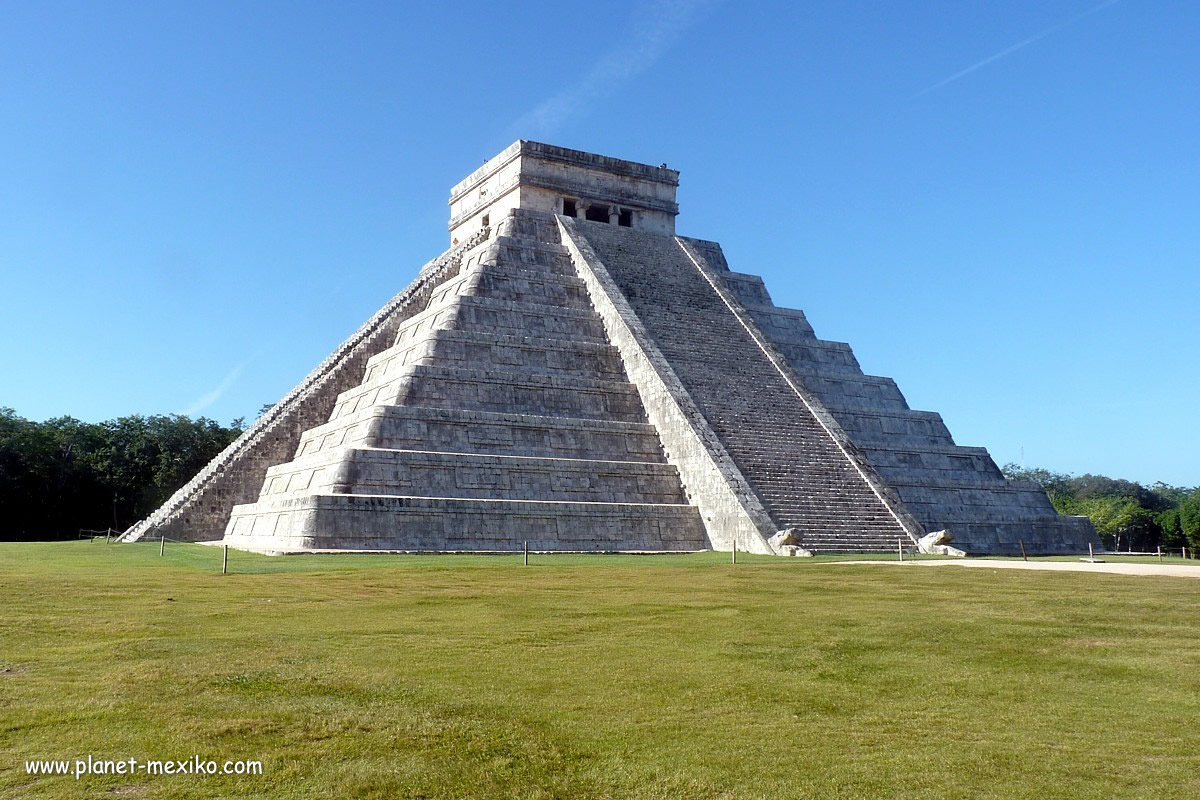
{"x": 573, "y": 375}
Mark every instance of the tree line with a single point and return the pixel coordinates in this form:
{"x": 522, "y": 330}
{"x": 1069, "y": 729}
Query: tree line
{"x": 1127, "y": 515}
{"x": 63, "y": 475}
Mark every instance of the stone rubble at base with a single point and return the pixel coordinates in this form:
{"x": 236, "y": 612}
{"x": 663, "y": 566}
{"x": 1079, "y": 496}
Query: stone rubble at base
{"x": 572, "y": 375}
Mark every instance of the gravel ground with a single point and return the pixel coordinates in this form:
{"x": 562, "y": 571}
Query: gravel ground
{"x": 1176, "y": 570}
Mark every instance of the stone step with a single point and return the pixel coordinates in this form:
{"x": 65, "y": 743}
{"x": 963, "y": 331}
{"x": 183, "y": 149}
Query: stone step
{"x": 521, "y": 392}
{"x": 525, "y": 224}
{"x": 820, "y": 357}
{"x": 419, "y": 473}
{"x": 848, "y": 530}
{"x": 515, "y": 318}
{"x": 889, "y": 414}
{"x": 853, "y": 539}
{"x": 525, "y": 393}
{"x": 878, "y": 440}
{"x": 782, "y": 324}
{"x": 529, "y": 254}
{"x": 516, "y": 283}
{"x": 498, "y": 351}
{"x": 520, "y": 318}
{"x": 389, "y": 522}
{"x": 947, "y": 514}
{"x": 948, "y": 450}
{"x": 465, "y": 431}
{"x": 985, "y": 485}
{"x": 750, "y": 289}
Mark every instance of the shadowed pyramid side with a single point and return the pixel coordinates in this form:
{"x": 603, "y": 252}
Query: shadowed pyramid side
{"x": 804, "y": 477}
{"x": 944, "y": 485}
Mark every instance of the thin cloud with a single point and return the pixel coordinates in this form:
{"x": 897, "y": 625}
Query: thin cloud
{"x": 1015, "y": 47}
{"x": 656, "y": 27}
{"x": 207, "y": 399}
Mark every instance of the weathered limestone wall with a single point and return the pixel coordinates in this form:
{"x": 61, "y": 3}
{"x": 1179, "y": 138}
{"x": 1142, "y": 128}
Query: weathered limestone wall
{"x": 731, "y": 510}
{"x": 780, "y": 441}
{"x": 501, "y": 414}
{"x": 518, "y": 389}
{"x": 438, "y": 524}
{"x": 943, "y": 485}
{"x": 200, "y": 510}
{"x": 537, "y": 177}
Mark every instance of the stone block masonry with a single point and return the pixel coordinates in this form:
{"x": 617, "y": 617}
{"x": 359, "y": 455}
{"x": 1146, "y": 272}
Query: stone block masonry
{"x": 200, "y": 510}
{"x": 574, "y": 375}
{"x": 944, "y": 486}
{"x": 790, "y": 459}
{"x": 500, "y": 415}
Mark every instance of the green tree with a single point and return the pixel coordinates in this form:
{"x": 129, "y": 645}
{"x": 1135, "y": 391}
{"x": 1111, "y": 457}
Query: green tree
{"x": 1125, "y": 514}
{"x": 1189, "y": 518}
{"x": 62, "y": 475}
{"x": 1170, "y": 523}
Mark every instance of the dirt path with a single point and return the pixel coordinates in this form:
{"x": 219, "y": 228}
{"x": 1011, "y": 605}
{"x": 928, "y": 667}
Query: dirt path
{"x": 1175, "y": 570}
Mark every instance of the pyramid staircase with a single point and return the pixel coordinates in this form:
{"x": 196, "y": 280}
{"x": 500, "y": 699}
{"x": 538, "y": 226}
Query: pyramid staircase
{"x": 500, "y": 415}
{"x": 942, "y": 484}
{"x": 793, "y": 462}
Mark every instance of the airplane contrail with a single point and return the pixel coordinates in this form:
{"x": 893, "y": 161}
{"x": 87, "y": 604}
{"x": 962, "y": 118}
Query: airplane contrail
{"x": 212, "y": 396}
{"x": 1015, "y": 47}
{"x": 658, "y": 26}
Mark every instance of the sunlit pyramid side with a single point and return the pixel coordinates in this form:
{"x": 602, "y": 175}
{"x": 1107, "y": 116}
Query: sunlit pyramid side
{"x": 572, "y": 375}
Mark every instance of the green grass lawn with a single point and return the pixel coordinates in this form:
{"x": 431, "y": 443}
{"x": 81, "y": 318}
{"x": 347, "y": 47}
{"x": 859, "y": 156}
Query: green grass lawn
{"x": 593, "y": 676}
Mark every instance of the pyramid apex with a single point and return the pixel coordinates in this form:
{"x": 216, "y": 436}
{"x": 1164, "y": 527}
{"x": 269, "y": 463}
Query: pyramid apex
{"x": 543, "y": 177}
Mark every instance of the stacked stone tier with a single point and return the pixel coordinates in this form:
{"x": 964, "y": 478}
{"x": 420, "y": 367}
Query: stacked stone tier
{"x": 438, "y": 524}
{"x": 420, "y": 473}
{"x": 200, "y": 509}
{"x": 455, "y": 430}
{"x": 476, "y": 349}
{"x": 499, "y": 415}
{"x": 944, "y": 485}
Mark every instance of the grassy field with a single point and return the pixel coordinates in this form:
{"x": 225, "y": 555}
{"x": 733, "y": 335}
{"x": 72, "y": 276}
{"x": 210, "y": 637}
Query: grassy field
{"x": 593, "y": 677}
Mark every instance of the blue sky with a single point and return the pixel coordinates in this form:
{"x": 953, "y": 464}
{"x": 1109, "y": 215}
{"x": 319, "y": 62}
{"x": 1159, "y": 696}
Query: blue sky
{"x": 997, "y": 204}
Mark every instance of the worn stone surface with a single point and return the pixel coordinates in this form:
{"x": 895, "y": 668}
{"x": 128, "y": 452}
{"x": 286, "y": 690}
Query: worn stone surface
{"x": 557, "y": 180}
{"x": 943, "y": 485}
{"x": 500, "y": 415}
{"x": 574, "y": 375}
{"x": 788, "y": 537}
{"x": 200, "y": 510}
{"x": 732, "y": 511}
{"x": 792, "y": 460}
{"x": 938, "y": 544}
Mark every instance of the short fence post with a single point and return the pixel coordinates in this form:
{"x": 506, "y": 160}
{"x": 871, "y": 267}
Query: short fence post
{"x": 734, "y": 561}
{"x": 527, "y": 552}
{"x": 224, "y": 559}
{"x": 1160, "y": 554}
{"x": 1185, "y": 552}
{"x": 900, "y": 549}
{"x": 106, "y": 535}
{"x": 1091, "y": 555}
{"x": 162, "y": 545}
{"x": 1022, "y": 543}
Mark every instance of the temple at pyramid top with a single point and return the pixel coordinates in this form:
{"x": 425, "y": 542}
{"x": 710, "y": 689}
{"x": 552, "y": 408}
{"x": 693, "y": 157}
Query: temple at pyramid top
{"x": 558, "y": 180}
